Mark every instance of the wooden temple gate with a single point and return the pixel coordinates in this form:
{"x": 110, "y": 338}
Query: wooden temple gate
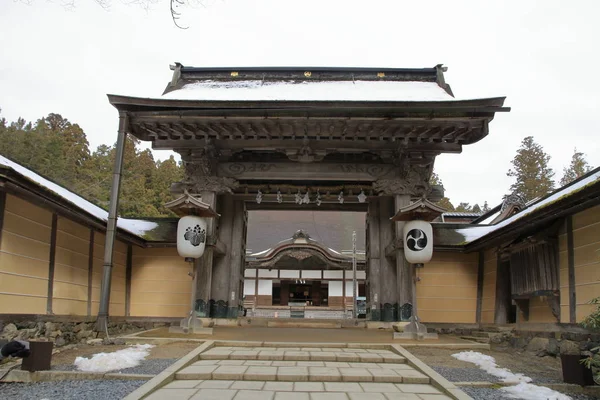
{"x": 296, "y": 138}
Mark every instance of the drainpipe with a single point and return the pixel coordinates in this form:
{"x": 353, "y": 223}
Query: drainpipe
{"x": 111, "y": 227}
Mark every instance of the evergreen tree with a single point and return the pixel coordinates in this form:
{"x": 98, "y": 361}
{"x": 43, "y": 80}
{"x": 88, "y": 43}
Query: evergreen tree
{"x": 531, "y": 170}
{"x": 486, "y": 207}
{"x": 476, "y": 209}
{"x": 464, "y": 207}
{"x": 578, "y": 167}
{"x": 444, "y": 202}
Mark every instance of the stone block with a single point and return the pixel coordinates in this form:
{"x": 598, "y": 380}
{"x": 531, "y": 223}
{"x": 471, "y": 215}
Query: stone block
{"x": 213, "y": 394}
{"x": 347, "y": 357}
{"x": 248, "y": 385}
{"x": 328, "y": 396}
{"x": 356, "y": 375}
{"x": 385, "y": 375}
{"x": 279, "y": 386}
{"x": 324, "y": 374}
{"x": 401, "y": 396}
{"x": 379, "y": 387}
{"x": 366, "y": 396}
{"x": 308, "y": 387}
{"x": 393, "y": 358}
{"x": 270, "y": 355}
{"x": 215, "y": 385}
{"x": 409, "y": 376}
{"x": 291, "y": 396}
{"x": 172, "y": 394}
{"x": 284, "y": 363}
{"x": 184, "y": 384}
{"x": 233, "y": 372}
{"x": 295, "y": 374}
{"x": 323, "y": 356}
{"x": 260, "y": 374}
{"x": 370, "y": 357}
{"x": 346, "y": 387}
{"x": 257, "y": 363}
{"x": 296, "y": 356}
{"x": 193, "y": 372}
{"x": 254, "y": 395}
{"x": 244, "y": 355}
{"x": 416, "y": 388}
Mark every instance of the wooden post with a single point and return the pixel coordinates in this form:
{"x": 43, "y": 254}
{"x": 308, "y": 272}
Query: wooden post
{"x": 571, "y": 266}
{"x": 222, "y": 265}
{"x": 373, "y": 259}
{"x": 238, "y": 256}
{"x": 204, "y": 264}
{"x": 404, "y": 274}
{"x": 128, "y": 271}
{"x": 480, "y": 274}
{"x": 503, "y": 291}
{"x": 389, "y": 276}
{"x": 90, "y": 272}
{"x": 2, "y": 208}
{"x": 51, "y": 263}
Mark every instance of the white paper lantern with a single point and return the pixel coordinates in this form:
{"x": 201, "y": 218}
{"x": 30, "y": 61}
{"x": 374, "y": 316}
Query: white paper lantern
{"x": 191, "y": 236}
{"x": 418, "y": 242}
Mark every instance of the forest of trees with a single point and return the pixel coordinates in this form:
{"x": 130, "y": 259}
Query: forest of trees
{"x": 59, "y": 150}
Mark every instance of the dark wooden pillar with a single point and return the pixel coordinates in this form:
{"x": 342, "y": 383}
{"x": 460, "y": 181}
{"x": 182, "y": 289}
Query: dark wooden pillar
{"x": 204, "y": 265}
{"x": 373, "y": 254}
{"x": 220, "y": 271}
{"x": 388, "y": 279}
{"x": 571, "y": 266}
{"x": 403, "y": 268}
{"x": 237, "y": 250}
{"x": 503, "y": 292}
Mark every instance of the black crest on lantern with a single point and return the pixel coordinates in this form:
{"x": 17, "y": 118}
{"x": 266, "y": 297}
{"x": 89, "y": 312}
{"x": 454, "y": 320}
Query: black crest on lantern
{"x": 195, "y": 235}
{"x": 416, "y": 240}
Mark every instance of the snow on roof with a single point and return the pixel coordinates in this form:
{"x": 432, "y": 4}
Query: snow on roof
{"x": 492, "y": 217}
{"x": 136, "y": 227}
{"x": 477, "y": 232}
{"x": 255, "y": 90}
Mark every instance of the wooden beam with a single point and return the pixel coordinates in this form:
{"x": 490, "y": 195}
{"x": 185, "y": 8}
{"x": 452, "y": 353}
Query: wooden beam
{"x": 480, "y": 274}
{"x": 503, "y": 297}
{"x": 90, "y": 272}
{"x": 128, "y": 271}
{"x": 51, "y": 263}
{"x": 571, "y": 266}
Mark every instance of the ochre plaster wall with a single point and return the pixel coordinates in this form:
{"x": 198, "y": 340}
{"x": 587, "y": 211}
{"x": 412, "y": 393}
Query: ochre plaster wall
{"x": 540, "y": 311}
{"x": 160, "y": 284}
{"x": 24, "y": 257}
{"x": 447, "y": 291}
{"x": 586, "y": 244}
{"x": 70, "y": 290}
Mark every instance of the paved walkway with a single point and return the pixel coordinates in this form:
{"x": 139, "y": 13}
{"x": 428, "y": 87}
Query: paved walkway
{"x": 299, "y": 373}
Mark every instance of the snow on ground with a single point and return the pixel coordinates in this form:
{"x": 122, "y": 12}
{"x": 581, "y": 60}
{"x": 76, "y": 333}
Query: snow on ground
{"x": 522, "y": 390}
{"x": 120, "y": 359}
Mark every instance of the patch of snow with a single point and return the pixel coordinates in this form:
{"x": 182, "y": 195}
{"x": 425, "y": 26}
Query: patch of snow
{"x": 528, "y": 391}
{"x": 489, "y": 219}
{"x": 477, "y": 232}
{"x": 254, "y": 90}
{"x": 522, "y": 390}
{"x": 120, "y": 359}
{"x": 136, "y": 227}
{"x": 488, "y": 364}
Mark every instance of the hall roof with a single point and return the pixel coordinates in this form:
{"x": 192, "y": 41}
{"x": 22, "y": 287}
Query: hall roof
{"x": 346, "y": 109}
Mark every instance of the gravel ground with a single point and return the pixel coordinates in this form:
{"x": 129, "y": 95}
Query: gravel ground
{"x": 497, "y": 394}
{"x": 464, "y": 374}
{"x": 149, "y": 367}
{"x": 69, "y": 390}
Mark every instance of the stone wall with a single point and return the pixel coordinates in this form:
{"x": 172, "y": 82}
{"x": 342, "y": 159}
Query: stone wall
{"x": 63, "y": 332}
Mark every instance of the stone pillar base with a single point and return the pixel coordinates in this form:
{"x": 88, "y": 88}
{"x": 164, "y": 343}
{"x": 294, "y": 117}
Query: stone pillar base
{"x": 191, "y": 325}
{"x": 415, "y": 330}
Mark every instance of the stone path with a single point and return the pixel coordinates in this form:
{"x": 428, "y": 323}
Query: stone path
{"x": 275, "y": 373}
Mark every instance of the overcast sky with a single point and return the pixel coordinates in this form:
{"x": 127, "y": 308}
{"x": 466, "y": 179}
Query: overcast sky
{"x": 541, "y": 55}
